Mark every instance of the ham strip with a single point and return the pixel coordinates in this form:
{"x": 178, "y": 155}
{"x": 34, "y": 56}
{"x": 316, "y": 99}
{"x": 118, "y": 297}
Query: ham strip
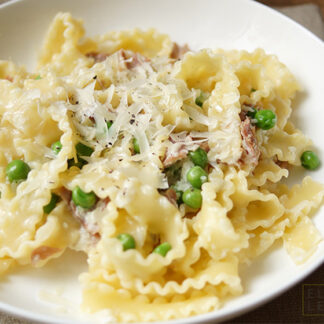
{"x": 181, "y": 147}
{"x": 66, "y": 195}
{"x": 282, "y": 164}
{"x": 43, "y": 252}
{"x": 205, "y": 146}
{"x": 251, "y": 151}
{"x": 98, "y": 57}
{"x": 179, "y": 152}
{"x": 179, "y": 51}
{"x": 132, "y": 59}
{"x": 171, "y": 195}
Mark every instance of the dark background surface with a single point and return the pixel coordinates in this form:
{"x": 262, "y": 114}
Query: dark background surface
{"x": 280, "y": 3}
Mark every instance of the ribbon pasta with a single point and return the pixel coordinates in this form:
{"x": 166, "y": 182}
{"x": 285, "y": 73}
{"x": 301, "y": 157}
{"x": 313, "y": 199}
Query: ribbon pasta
{"x": 147, "y": 87}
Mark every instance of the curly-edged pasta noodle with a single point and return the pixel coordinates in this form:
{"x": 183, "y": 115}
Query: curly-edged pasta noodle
{"x": 283, "y": 82}
{"x": 299, "y": 201}
{"x": 301, "y": 240}
{"x": 287, "y": 144}
{"x": 212, "y": 73}
{"x": 138, "y": 106}
{"x": 33, "y": 130}
{"x": 215, "y": 230}
{"x": 149, "y": 43}
{"x": 60, "y": 48}
{"x": 267, "y": 170}
{"x": 145, "y": 302}
{"x": 249, "y": 204}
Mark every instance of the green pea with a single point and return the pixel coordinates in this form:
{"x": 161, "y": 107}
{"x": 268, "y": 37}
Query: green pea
{"x": 192, "y": 197}
{"x": 199, "y": 157}
{"x": 83, "y": 199}
{"x": 56, "y": 147}
{"x": 310, "y": 160}
{"x": 109, "y": 123}
{"x": 52, "y": 204}
{"x": 253, "y": 90}
{"x": 38, "y": 77}
{"x": 201, "y": 99}
{"x": 251, "y": 113}
{"x": 127, "y": 240}
{"x": 136, "y": 146}
{"x": 81, "y": 162}
{"x": 17, "y": 170}
{"x": 162, "y": 249}
{"x": 83, "y": 150}
{"x": 265, "y": 119}
{"x": 197, "y": 176}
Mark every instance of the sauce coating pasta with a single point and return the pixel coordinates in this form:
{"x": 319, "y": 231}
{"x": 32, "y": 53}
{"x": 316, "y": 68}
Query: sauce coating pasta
{"x": 162, "y": 164}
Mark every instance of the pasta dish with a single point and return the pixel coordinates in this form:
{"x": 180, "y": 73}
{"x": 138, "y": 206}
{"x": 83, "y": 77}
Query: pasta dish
{"x": 162, "y": 164}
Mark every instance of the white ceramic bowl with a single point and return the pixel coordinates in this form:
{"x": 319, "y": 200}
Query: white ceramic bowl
{"x": 200, "y": 23}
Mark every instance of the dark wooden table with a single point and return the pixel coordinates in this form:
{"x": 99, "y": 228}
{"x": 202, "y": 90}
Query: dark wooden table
{"x": 279, "y": 3}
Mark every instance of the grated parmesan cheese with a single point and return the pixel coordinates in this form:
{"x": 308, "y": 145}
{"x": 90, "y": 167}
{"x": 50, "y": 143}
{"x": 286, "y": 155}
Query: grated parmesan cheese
{"x": 144, "y": 100}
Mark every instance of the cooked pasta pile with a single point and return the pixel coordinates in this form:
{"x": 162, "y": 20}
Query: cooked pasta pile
{"x": 163, "y": 165}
